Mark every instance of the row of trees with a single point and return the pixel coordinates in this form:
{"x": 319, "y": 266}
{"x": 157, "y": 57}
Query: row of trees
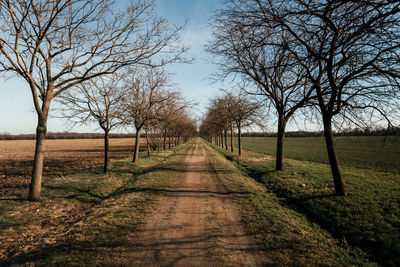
{"x": 138, "y": 98}
{"x": 337, "y": 60}
{"x": 227, "y": 113}
{"x": 59, "y": 45}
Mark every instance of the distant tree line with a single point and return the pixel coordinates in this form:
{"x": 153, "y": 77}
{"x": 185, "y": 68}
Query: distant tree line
{"x": 379, "y": 131}
{"x": 64, "y": 135}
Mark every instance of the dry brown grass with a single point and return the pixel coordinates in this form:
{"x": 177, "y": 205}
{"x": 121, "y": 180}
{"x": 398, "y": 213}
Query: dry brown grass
{"x": 62, "y": 157}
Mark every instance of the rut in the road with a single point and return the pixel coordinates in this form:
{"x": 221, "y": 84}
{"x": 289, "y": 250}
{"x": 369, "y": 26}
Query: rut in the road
{"x": 196, "y": 223}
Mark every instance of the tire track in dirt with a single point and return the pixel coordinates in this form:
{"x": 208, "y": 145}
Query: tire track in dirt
{"x": 196, "y": 223}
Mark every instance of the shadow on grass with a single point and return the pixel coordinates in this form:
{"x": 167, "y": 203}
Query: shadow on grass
{"x": 163, "y": 190}
{"x": 13, "y": 199}
{"x": 92, "y": 195}
{"x": 113, "y": 242}
{"x": 354, "y": 220}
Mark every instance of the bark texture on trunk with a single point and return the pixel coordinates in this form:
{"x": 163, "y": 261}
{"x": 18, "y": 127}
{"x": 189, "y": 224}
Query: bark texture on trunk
{"x": 37, "y": 172}
{"x": 279, "y": 142}
{"x": 226, "y": 140}
{"x": 333, "y": 161}
{"x": 148, "y": 144}
{"x": 106, "y": 152}
{"x": 232, "y": 137}
{"x": 165, "y": 140}
{"x": 239, "y": 140}
{"x": 137, "y": 145}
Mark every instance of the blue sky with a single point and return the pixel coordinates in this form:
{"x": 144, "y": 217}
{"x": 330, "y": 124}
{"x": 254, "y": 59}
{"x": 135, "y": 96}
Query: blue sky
{"x": 16, "y": 106}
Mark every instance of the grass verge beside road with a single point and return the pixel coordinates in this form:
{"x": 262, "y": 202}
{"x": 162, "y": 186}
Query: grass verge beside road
{"x": 288, "y": 237}
{"x": 86, "y": 218}
{"x": 369, "y": 218}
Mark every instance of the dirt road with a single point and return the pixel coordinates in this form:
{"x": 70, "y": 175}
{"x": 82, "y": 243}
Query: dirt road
{"x": 196, "y": 223}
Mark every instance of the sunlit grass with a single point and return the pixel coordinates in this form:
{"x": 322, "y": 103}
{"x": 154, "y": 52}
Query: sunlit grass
{"x": 372, "y": 152}
{"x": 288, "y": 237}
{"x": 368, "y": 218}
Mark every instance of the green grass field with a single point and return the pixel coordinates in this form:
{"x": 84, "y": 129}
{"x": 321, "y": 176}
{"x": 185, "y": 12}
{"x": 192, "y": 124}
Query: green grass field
{"x": 368, "y": 218}
{"x": 287, "y": 236}
{"x": 373, "y": 152}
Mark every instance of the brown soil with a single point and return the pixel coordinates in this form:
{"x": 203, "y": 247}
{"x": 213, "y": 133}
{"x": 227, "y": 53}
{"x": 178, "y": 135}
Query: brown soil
{"x": 197, "y": 223}
{"x": 62, "y": 157}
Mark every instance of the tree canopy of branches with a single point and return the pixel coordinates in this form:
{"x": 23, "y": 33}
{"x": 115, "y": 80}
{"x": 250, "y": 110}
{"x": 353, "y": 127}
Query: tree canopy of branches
{"x": 269, "y": 70}
{"x": 147, "y": 96}
{"x": 56, "y": 45}
{"x": 183, "y": 127}
{"x": 223, "y": 111}
{"x": 168, "y": 114}
{"x": 347, "y": 51}
{"x": 97, "y": 100}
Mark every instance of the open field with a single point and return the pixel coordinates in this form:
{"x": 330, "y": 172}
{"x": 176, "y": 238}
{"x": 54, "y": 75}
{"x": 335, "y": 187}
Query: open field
{"x": 368, "y": 218}
{"x": 287, "y": 237}
{"x": 86, "y": 218}
{"x": 173, "y": 208}
{"x": 62, "y": 156}
{"x": 373, "y": 152}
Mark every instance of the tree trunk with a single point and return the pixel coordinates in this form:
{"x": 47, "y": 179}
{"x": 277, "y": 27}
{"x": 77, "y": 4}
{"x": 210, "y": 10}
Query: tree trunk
{"x": 137, "y": 145}
{"x": 37, "y": 172}
{"x": 165, "y": 140}
{"x": 226, "y": 140}
{"x": 106, "y": 152}
{"x": 231, "y": 137}
{"x": 148, "y": 144}
{"x": 240, "y": 140}
{"x": 279, "y": 142}
{"x": 333, "y": 161}
{"x": 159, "y": 143}
{"x": 169, "y": 141}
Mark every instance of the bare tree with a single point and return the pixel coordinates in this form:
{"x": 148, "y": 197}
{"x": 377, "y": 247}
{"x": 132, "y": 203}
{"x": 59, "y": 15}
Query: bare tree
{"x": 348, "y": 51}
{"x": 184, "y": 128}
{"x": 218, "y": 116}
{"x": 146, "y": 96}
{"x": 239, "y": 109}
{"x": 97, "y": 100}
{"x": 244, "y": 112}
{"x": 170, "y": 112}
{"x": 244, "y": 50}
{"x": 56, "y": 45}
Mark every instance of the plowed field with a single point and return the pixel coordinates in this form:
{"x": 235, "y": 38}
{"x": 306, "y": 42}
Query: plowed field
{"x": 62, "y": 156}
